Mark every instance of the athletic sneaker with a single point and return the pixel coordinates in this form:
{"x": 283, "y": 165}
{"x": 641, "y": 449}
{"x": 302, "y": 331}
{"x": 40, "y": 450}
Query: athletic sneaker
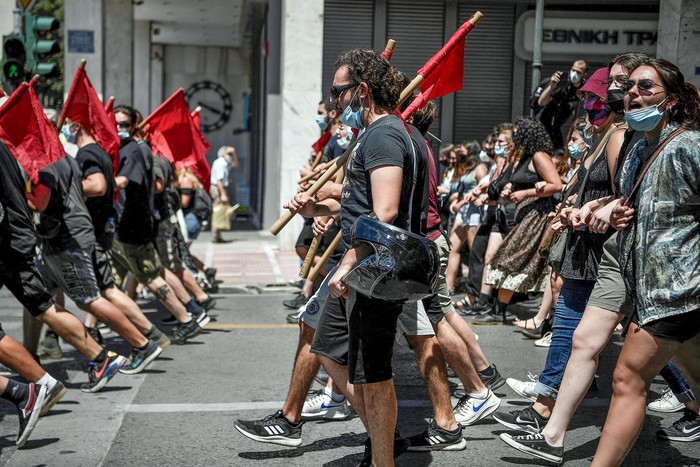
{"x": 493, "y": 318}
{"x": 527, "y": 420}
{"x": 546, "y": 340}
{"x": 476, "y": 309}
{"x": 96, "y": 334}
{"x": 29, "y": 410}
{"x": 293, "y": 318}
{"x": 140, "y": 359}
{"x": 322, "y": 407}
{"x": 273, "y": 429}
{"x": 159, "y": 338}
{"x": 666, "y": 403}
{"x": 172, "y": 321}
{"x": 298, "y": 301}
{"x": 535, "y": 445}
{"x": 184, "y": 331}
{"x": 494, "y": 381}
{"x": 685, "y": 430}
{"x": 470, "y": 410}
{"x": 525, "y": 389}
{"x": 52, "y": 397}
{"x": 401, "y": 445}
{"x": 435, "y": 438}
{"x": 100, "y": 375}
{"x": 202, "y": 318}
{"x": 207, "y": 303}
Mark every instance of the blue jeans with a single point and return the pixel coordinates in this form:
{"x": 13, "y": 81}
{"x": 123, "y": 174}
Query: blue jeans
{"x": 676, "y": 381}
{"x": 194, "y": 225}
{"x": 570, "y": 306}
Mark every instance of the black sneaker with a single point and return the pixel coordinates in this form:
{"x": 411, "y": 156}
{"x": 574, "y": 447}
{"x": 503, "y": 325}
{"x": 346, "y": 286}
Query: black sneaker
{"x": 494, "y": 381}
{"x": 29, "y": 410}
{"x": 210, "y": 274}
{"x": 172, "y": 321}
{"x": 207, "y": 304}
{"x": 686, "y": 429}
{"x": 99, "y": 375}
{"x": 401, "y": 445}
{"x": 493, "y": 318}
{"x": 435, "y": 438}
{"x": 527, "y": 420}
{"x": 140, "y": 359}
{"x": 97, "y": 335}
{"x": 184, "y": 331}
{"x": 535, "y": 445}
{"x": 273, "y": 429}
{"x": 476, "y": 309}
{"x": 293, "y": 318}
{"x": 296, "y": 302}
{"x": 52, "y": 397}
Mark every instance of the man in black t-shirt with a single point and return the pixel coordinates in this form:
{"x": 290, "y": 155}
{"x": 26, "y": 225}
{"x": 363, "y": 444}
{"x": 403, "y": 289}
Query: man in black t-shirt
{"x": 133, "y": 249}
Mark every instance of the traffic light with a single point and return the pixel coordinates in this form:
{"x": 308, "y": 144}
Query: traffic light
{"x": 14, "y": 56}
{"x": 40, "y": 48}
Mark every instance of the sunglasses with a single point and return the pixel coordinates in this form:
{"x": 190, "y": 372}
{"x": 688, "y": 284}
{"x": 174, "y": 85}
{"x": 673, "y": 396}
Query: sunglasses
{"x": 336, "y": 91}
{"x": 642, "y": 85}
{"x": 125, "y": 125}
{"x": 620, "y": 80}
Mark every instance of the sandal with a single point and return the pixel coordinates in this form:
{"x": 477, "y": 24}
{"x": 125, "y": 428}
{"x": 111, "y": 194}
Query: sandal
{"x": 527, "y": 326}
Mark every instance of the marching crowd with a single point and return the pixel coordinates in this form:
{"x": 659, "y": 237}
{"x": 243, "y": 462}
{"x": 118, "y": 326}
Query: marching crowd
{"x": 601, "y": 223}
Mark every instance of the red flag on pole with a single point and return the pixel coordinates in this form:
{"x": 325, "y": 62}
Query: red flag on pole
{"x": 2, "y": 94}
{"x": 109, "y": 106}
{"x": 28, "y": 133}
{"x": 196, "y": 122}
{"x": 172, "y": 132}
{"x": 83, "y": 106}
{"x": 321, "y": 142}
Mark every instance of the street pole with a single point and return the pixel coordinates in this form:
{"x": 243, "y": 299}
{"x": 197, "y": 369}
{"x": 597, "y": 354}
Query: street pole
{"x": 537, "y": 46}
{"x": 17, "y": 16}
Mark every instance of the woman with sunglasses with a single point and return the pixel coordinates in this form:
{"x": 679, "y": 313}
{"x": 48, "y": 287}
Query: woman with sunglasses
{"x": 659, "y": 244}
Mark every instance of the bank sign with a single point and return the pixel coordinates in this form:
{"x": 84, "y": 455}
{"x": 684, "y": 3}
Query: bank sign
{"x": 566, "y": 37}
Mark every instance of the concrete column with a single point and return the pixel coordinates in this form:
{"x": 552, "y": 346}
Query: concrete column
{"x": 85, "y": 15}
{"x": 301, "y": 71}
{"x": 119, "y": 50}
{"x": 157, "y": 76}
{"x": 7, "y": 7}
{"x": 273, "y": 106}
{"x": 679, "y": 36}
{"x": 142, "y": 66}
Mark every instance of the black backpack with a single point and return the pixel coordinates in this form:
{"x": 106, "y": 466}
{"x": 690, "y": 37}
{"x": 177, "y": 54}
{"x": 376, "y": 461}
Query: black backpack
{"x": 202, "y": 204}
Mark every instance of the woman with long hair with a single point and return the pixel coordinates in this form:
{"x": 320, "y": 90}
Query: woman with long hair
{"x": 188, "y": 183}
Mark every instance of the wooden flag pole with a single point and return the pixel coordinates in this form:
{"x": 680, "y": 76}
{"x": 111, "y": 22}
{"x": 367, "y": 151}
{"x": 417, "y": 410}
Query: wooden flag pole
{"x": 327, "y": 254}
{"x": 59, "y": 122}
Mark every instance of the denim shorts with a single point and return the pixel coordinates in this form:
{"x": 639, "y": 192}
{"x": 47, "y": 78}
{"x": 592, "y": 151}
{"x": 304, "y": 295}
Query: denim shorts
{"x": 194, "y": 225}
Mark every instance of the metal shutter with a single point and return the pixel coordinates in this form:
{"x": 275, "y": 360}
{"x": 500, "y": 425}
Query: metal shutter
{"x": 346, "y": 25}
{"x": 485, "y": 100}
{"x": 418, "y": 29}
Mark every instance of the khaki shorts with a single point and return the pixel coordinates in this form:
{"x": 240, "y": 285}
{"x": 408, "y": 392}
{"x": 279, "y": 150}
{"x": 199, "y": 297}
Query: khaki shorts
{"x": 140, "y": 260}
{"x": 609, "y": 292}
{"x": 214, "y": 193}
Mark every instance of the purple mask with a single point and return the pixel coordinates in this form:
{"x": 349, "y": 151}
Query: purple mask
{"x": 596, "y": 110}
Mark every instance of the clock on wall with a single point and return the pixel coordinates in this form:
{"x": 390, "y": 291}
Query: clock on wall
{"x": 215, "y": 102}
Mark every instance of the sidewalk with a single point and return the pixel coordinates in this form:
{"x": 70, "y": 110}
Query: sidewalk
{"x": 251, "y": 260}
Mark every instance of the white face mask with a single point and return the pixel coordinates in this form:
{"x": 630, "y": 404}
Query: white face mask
{"x": 574, "y": 77}
{"x": 344, "y": 141}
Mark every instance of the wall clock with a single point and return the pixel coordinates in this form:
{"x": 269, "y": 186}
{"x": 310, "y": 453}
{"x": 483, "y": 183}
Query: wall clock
{"x": 215, "y": 102}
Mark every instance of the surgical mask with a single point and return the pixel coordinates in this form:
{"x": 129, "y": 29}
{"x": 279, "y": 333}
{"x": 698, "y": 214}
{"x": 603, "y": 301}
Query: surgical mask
{"x": 353, "y": 118}
{"x": 500, "y": 151}
{"x": 321, "y": 122}
{"x": 344, "y": 141}
{"x": 484, "y": 157}
{"x": 70, "y": 137}
{"x": 645, "y": 119}
{"x": 616, "y": 101}
{"x": 588, "y": 135}
{"x": 575, "y": 152}
{"x": 123, "y": 134}
{"x": 574, "y": 77}
{"x": 596, "y": 111}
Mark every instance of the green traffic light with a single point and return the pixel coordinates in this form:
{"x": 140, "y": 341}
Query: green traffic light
{"x": 14, "y": 71}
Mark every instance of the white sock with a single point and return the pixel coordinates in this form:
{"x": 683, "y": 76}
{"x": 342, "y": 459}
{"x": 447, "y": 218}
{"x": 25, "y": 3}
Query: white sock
{"x": 48, "y": 381}
{"x": 333, "y": 395}
{"x": 480, "y": 395}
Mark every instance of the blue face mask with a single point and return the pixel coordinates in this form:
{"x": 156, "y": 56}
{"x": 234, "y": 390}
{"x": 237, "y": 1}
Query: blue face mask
{"x": 321, "y": 122}
{"x": 575, "y": 152}
{"x": 645, "y": 119}
{"x": 587, "y": 136}
{"x": 123, "y": 134}
{"x": 352, "y": 118}
{"x": 70, "y": 137}
{"x": 499, "y": 151}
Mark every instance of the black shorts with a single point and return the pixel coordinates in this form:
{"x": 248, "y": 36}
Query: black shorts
{"x": 27, "y": 285}
{"x": 358, "y": 332}
{"x": 306, "y": 236}
{"x": 677, "y": 328}
{"x": 103, "y": 270}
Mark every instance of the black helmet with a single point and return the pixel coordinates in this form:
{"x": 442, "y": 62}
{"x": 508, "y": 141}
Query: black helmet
{"x": 403, "y": 268}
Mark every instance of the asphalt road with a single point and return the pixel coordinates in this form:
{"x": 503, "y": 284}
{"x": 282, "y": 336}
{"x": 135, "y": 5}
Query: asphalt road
{"x": 180, "y": 411}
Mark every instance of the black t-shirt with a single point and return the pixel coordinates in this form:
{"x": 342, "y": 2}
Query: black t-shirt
{"x": 136, "y": 222}
{"x": 384, "y": 143}
{"x": 161, "y": 171}
{"x": 93, "y": 159}
{"x": 421, "y": 193}
{"x": 66, "y": 222}
{"x": 332, "y": 150}
{"x": 17, "y": 236}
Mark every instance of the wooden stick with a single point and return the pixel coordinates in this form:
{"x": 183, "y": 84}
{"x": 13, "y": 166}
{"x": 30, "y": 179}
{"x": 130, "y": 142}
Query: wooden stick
{"x": 317, "y": 160}
{"x": 329, "y": 251}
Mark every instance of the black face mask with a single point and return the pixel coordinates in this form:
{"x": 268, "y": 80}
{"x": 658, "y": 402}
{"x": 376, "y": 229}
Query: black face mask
{"x": 616, "y": 100}
{"x": 445, "y": 162}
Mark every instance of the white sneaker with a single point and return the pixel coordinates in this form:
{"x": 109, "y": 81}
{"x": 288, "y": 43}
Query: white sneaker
{"x": 546, "y": 340}
{"x": 666, "y": 403}
{"x": 524, "y": 388}
{"x": 470, "y": 410}
{"x": 321, "y": 407}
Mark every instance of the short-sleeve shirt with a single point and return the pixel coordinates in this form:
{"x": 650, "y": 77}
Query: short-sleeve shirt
{"x": 384, "y": 143}
{"x": 136, "y": 222}
{"x": 66, "y": 221}
{"x": 220, "y": 171}
{"x": 332, "y": 150}
{"x": 93, "y": 159}
{"x": 17, "y": 236}
{"x": 162, "y": 171}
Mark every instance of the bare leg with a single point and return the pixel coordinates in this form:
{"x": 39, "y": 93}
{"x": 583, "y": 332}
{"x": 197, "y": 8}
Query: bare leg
{"x": 16, "y": 357}
{"x": 71, "y": 329}
{"x": 176, "y": 286}
{"x": 31, "y": 332}
{"x": 454, "y": 262}
{"x": 432, "y": 366}
{"x": 130, "y": 284}
{"x": 117, "y": 321}
{"x": 495, "y": 240}
{"x": 381, "y": 411}
{"x": 191, "y": 285}
{"x": 161, "y": 290}
{"x": 687, "y": 360}
{"x": 504, "y": 295}
{"x": 306, "y": 364}
{"x": 128, "y": 307}
{"x": 641, "y": 359}
{"x": 543, "y": 312}
{"x": 352, "y": 392}
{"x": 457, "y": 356}
{"x": 90, "y": 319}
{"x": 590, "y": 337}
{"x": 479, "y": 360}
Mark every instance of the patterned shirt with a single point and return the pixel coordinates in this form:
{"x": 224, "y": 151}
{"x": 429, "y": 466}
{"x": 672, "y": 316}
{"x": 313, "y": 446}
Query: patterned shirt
{"x": 660, "y": 252}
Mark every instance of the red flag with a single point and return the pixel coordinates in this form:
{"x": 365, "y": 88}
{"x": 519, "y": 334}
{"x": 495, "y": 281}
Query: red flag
{"x": 321, "y": 142}
{"x": 172, "y": 132}
{"x": 2, "y": 94}
{"x": 109, "y": 106}
{"x": 196, "y": 121}
{"x": 82, "y": 105}
{"x": 28, "y": 133}
{"x": 447, "y": 76}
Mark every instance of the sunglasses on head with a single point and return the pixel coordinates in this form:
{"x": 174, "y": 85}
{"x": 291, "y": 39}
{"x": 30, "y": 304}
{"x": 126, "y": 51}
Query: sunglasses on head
{"x": 642, "y": 85}
{"x": 337, "y": 90}
{"x": 125, "y": 125}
